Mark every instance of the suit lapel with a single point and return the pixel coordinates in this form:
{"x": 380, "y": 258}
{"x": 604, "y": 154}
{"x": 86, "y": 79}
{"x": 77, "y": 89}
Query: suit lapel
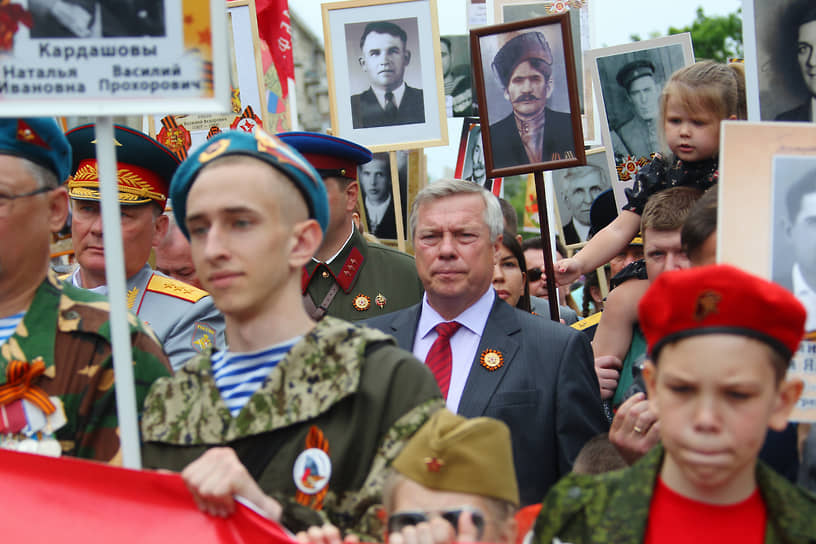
{"x": 499, "y": 335}
{"x": 404, "y": 326}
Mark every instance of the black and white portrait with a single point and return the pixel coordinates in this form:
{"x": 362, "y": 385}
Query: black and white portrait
{"x": 530, "y": 95}
{"x": 456, "y": 75}
{"x": 377, "y": 193}
{"x": 576, "y": 189}
{"x": 793, "y": 250}
{"x": 383, "y": 58}
{"x": 780, "y": 54}
{"x": 631, "y": 84}
{"x": 473, "y": 168}
{"x": 97, "y": 18}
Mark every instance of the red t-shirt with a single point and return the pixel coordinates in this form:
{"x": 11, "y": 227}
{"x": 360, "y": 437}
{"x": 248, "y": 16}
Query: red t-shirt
{"x": 675, "y": 518}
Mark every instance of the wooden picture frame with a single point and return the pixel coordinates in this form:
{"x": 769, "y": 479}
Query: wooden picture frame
{"x": 499, "y": 53}
{"x": 359, "y": 90}
{"x": 470, "y": 147}
{"x": 630, "y": 136}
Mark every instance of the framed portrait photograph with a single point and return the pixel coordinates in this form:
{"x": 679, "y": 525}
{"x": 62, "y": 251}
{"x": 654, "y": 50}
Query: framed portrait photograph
{"x": 470, "y": 163}
{"x": 385, "y": 73}
{"x": 780, "y": 53}
{"x": 460, "y": 100}
{"x": 76, "y": 58}
{"x": 528, "y": 93}
{"x": 628, "y": 80}
{"x": 378, "y": 212}
{"x": 575, "y": 190}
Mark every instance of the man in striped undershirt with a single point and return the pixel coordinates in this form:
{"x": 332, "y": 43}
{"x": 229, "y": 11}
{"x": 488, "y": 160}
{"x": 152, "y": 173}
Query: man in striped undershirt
{"x": 300, "y": 418}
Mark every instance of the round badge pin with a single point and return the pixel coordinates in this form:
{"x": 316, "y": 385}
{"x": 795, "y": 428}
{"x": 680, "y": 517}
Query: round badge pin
{"x": 362, "y": 302}
{"x": 312, "y": 471}
{"x": 491, "y": 359}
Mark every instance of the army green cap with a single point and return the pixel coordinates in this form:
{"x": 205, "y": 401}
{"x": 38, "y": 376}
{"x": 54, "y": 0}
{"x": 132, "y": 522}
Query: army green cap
{"x": 452, "y": 453}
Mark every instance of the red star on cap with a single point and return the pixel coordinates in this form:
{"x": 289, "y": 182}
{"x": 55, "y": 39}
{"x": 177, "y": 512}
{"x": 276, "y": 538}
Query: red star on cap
{"x": 433, "y": 464}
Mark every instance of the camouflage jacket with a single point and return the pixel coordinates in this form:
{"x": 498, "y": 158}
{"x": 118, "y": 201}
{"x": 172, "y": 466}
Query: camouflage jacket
{"x": 614, "y": 507}
{"x": 348, "y": 384}
{"x": 69, "y": 329}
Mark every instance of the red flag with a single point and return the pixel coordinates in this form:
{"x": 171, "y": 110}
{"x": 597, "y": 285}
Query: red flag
{"x": 274, "y": 29}
{"x": 71, "y": 500}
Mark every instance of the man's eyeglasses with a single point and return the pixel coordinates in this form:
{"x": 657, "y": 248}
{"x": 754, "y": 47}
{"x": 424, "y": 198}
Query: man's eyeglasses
{"x": 6, "y": 201}
{"x": 533, "y": 274}
{"x": 399, "y": 520}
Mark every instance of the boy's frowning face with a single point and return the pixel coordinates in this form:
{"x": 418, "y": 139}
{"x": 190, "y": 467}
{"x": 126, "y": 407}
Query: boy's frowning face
{"x": 715, "y": 396}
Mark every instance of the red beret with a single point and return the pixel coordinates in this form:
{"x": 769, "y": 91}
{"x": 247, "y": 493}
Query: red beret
{"x": 720, "y": 299}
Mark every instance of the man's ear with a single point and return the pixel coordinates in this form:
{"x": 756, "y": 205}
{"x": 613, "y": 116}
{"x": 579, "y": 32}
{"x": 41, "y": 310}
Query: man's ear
{"x": 57, "y": 208}
{"x": 650, "y": 379}
{"x": 351, "y": 192}
{"x": 786, "y": 398}
{"x": 160, "y": 230}
{"x": 305, "y": 239}
{"x": 506, "y": 95}
{"x": 550, "y": 87}
{"x": 361, "y": 60}
{"x": 407, "y": 57}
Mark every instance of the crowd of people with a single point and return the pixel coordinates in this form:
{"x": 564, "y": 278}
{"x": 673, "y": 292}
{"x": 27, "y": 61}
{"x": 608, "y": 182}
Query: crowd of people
{"x": 354, "y": 392}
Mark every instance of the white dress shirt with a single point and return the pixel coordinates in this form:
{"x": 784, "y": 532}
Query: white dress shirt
{"x": 806, "y": 296}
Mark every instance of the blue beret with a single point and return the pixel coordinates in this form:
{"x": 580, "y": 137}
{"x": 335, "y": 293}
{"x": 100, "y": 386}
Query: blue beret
{"x": 331, "y": 156}
{"x": 145, "y": 167}
{"x": 261, "y": 146}
{"x": 40, "y": 140}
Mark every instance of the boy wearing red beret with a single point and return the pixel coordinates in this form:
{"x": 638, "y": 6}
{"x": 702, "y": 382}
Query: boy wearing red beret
{"x": 720, "y": 341}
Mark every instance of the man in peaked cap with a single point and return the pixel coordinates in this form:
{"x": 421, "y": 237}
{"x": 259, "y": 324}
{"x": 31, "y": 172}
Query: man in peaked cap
{"x": 56, "y": 370}
{"x": 183, "y": 316}
{"x": 532, "y": 133}
{"x": 638, "y": 137}
{"x": 349, "y": 277}
{"x": 299, "y": 417}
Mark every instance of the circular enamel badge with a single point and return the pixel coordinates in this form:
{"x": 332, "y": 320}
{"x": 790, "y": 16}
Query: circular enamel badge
{"x": 361, "y": 302}
{"x": 312, "y": 470}
{"x": 491, "y": 359}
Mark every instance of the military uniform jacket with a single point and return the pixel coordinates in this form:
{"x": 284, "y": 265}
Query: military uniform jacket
{"x": 373, "y": 280}
{"x": 346, "y": 389}
{"x": 614, "y": 507}
{"x": 183, "y": 317}
{"x": 69, "y": 329}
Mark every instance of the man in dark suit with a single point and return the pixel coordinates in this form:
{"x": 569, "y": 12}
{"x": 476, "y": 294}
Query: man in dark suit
{"x": 535, "y": 375}
{"x": 388, "y": 101}
{"x": 801, "y": 45}
{"x": 533, "y": 133}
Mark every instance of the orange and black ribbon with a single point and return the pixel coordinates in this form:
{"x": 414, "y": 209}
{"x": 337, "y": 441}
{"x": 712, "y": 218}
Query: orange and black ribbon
{"x": 174, "y": 136}
{"x": 314, "y": 439}
{"x": 19, "y": 375}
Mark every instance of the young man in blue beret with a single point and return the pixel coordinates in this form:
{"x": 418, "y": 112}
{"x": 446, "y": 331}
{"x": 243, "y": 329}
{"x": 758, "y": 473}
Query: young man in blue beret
{"x": 183, "y": 316}
{"x": 57, "y": 392}
{"x": 299, "y": 417}
{"x": 349, "y": 277}
{"x": 716, "y": 380}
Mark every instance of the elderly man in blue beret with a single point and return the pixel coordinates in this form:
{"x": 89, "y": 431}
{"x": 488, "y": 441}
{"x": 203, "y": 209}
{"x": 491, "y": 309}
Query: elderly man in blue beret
{"x": 301, "y": 418}
{"x": 57, "y": 392}
{"x": 533, "y": 132}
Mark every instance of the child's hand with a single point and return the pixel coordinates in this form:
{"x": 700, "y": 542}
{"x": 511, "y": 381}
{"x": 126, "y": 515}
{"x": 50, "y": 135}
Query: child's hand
{"x": 566, "y": 271}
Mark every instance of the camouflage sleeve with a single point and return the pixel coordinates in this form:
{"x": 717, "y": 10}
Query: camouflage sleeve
{"x": 562, "y": 518}
{"x": 191, "y": 334}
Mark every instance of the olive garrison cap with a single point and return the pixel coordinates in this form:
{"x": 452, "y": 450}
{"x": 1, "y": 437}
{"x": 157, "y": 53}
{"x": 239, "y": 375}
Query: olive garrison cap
{"x": 634, "y": 70}
{"x": 144, "y": 166}
{"x": 330, "y": 155}
{"x": 259, "y": 145}
{"x": 720, "y": 299}
{"x": 452, "y": 453}
{"x": 38, "y": 139}
{"x": 524, "y": 47}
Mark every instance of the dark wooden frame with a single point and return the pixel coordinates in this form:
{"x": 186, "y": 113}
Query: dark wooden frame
{"x": 476, "y": 35}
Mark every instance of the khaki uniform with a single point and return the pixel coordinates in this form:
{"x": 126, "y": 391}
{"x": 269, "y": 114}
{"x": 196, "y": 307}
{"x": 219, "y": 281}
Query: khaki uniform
{"x": 344, "y": 389}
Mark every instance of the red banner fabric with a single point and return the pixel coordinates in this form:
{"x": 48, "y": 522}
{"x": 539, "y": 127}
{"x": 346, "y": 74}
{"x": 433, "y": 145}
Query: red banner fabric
{"x": 274, "y": 28}
{"x": 71, "y": 500}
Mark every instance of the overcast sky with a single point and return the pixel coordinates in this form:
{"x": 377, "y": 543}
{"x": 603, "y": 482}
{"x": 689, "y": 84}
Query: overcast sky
{"x": 615, "y": 21}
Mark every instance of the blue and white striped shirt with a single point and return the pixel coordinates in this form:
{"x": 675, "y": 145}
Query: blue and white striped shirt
{"x": 239, "y": 375}
{"x": 8, "y": 325}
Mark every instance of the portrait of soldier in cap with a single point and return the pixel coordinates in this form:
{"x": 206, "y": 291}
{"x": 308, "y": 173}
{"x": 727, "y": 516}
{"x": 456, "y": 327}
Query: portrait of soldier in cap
{"x": 388, "y": 100}
{"x": 532, "y": 132}
{"x": 638, "y": 137}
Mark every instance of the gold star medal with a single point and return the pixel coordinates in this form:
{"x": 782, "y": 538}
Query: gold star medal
{"x": 361, "y": 302}
{"x": 491, "y": 359}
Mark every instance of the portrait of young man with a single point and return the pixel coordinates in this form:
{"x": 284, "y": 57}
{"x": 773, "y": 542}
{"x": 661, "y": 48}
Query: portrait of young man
{"x": 383, "y": 57}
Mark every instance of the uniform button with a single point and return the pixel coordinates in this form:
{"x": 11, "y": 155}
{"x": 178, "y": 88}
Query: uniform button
{"x": 574, "y": 492}
{"x": 325, "y": 274}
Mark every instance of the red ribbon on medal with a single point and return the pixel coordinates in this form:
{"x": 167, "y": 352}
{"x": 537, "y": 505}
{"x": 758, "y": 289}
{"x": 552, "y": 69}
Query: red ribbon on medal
{"x": 19, "y": 375}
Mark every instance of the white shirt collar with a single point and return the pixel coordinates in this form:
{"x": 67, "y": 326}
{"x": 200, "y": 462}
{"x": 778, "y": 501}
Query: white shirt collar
{"x": 806, "y": 295}
{"x": 398, "y": 93}
{"x": 339, "y": 251}
{"x": 375, "y": 211}
{"x": 474, "y": 317}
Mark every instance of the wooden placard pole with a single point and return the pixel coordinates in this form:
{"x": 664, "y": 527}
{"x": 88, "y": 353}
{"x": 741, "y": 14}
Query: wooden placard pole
{"x": 396, "y": 199}
{"x": 544, "y": 227}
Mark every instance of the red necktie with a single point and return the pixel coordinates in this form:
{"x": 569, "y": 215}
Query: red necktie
{"x": 439, "y": 356}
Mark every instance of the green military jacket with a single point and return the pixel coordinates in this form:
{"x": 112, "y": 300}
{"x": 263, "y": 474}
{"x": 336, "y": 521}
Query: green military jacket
{"x": 614, "y": 507}
{"x": 69, "y": 329}
{"x": 349, "y": 384}
{"x": 372, "y": 279}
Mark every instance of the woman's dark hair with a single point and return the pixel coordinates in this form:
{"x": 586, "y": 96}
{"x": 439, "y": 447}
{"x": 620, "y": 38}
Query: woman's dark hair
{"x": 510, "y": 242}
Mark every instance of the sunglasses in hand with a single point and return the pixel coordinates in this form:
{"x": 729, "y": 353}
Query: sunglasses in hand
{"x": 409, "y": 518}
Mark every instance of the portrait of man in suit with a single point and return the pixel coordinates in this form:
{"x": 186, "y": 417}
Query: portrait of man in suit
{"x": 388, "y": 100}
{"x": 532, "y": 132}
{"x": 578, "y": 188}
{"x": 96, "y": 18}
{"x": 801, "y": 45}
{"x": 489, "y": 358}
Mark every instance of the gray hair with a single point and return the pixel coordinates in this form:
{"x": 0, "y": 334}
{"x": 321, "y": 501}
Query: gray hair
{"x": 451, "y": 187}
{"x": 42, "y": 175}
